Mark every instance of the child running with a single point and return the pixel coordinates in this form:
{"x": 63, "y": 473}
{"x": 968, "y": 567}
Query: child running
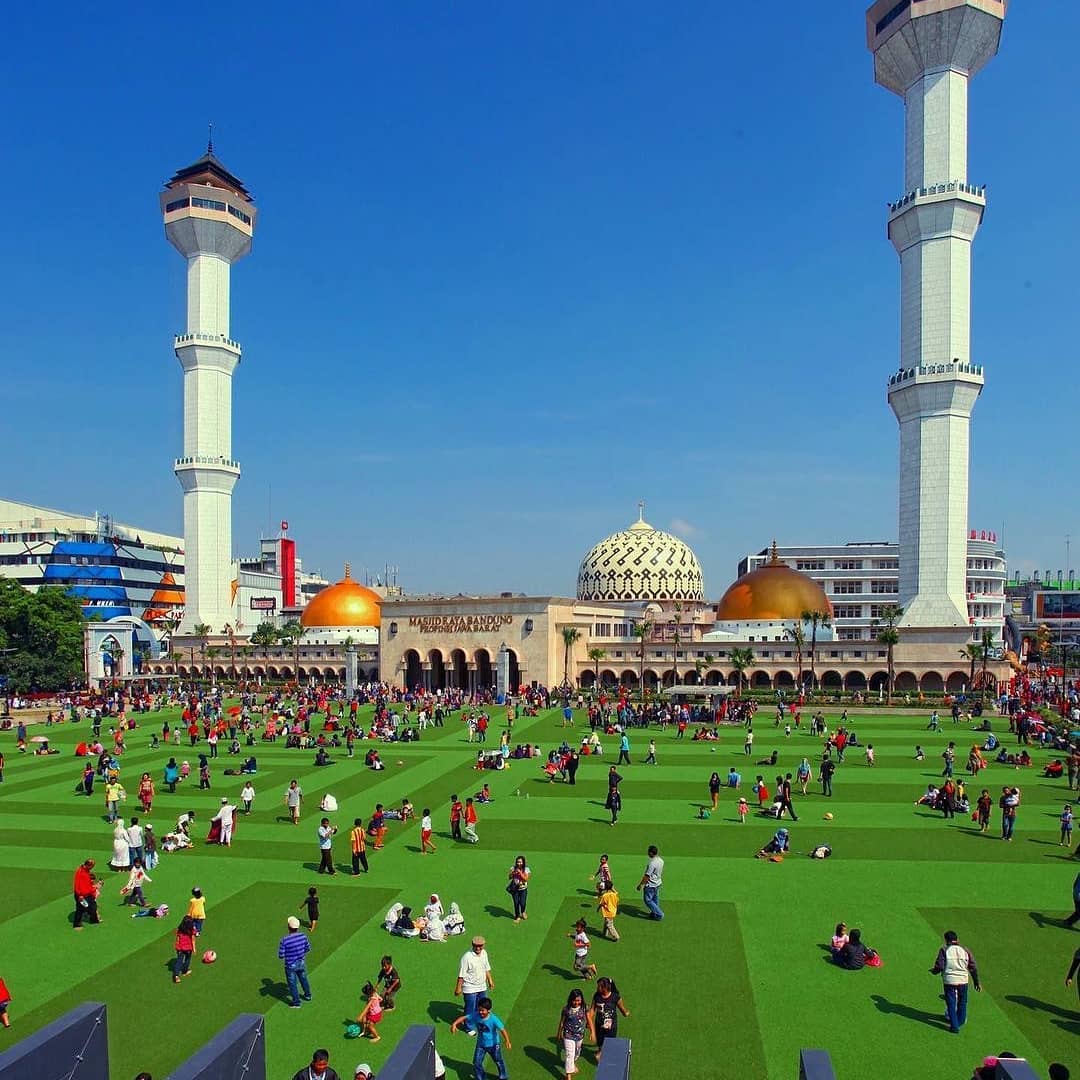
{"x": 581, "y": 951}
{"x": 425, "y": 833}
{"x": 1066, "y": 825}
{"x": 311, "y": 902}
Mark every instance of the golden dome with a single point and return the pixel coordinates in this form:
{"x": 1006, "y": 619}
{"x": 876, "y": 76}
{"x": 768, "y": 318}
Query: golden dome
{"x": 773, "y": 592}
{"x": 347, "y": 603}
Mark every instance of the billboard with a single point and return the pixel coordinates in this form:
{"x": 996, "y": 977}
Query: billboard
{"x": 264, "y": 603}
{"x": 1057, "y": 605}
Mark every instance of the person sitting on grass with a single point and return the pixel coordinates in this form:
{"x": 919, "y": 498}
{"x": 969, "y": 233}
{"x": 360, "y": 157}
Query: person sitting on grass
{"x": 780, "y": 843}
{"x": 854, "y": 954}
{"x": 839, "y": 939}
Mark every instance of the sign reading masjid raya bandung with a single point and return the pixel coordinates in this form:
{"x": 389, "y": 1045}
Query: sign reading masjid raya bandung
{"x": 459, "y": 624}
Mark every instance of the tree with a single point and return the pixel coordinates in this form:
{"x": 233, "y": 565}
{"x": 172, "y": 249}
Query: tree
{"x": 986, "y": 646}
{"x": 970, "y": 652}
{"x": 797, "y": 635}
{"x": 41, "y": 638}
{"x": 570, "y": 636}
{"x": 642, "y": 631}
{"x": 889, "y": 636}
{"x": 212, "y": 653}
{"x": 290, "y": 634}
{"x": 266, "y": 634}
{"x": 741, "y": 660}
{"x": 596, "y": 655}
{"x": 815, "y": 618}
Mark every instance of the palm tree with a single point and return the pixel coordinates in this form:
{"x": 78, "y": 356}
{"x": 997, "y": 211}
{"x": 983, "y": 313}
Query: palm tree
{"x": 202, "y": 631}
{"x": 889, "y": 636}
{"x": 986, "y": 644}
{"x": 211, "y": 655}
{"x": 290, "y": 634}
{"x": 570, "y": 636}
{"x": 815, "y": 618}
{"x": 741, "y": 659}
{"x": 266, "y": 634}
{"x": 970, "y": 652}
{"x": 596, "y": 655}
{"x": 642, "y": 631}
{"x": 796, "y": 635}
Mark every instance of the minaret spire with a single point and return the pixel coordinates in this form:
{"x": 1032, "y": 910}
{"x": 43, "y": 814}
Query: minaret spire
{"x": 210, "y": 137}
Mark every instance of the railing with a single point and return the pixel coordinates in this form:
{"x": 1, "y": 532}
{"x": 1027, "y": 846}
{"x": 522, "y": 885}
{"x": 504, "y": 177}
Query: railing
{"x": 209, "y": 339}
{"x": 950, "y": 186}
{"x": 955, "y": 368}
{"x": 199, "y": 459}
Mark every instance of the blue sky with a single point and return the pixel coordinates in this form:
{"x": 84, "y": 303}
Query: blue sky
{"x": 519, "y": 266}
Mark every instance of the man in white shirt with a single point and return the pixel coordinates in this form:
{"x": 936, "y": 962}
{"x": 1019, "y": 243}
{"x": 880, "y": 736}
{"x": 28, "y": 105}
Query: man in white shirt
{"x": 474, "y": 976}
{"x": 650, "y": 883}
{"x": 225, "y": 816}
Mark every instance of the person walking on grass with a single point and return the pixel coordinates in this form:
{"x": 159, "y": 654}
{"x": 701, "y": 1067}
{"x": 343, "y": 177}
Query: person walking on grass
{"x": 1009, "y": 801}
{"x": 825, "y": 774}
{"x": 573, "y": 1020}
{"x": 294, "y": 798}
{"x": 196, "y": 910}
{"x": 293, "y": 949}
{"x": 957, "y": 969}
{"x": 85, "y": 889}
{"x": 714, "y": 790}
{"x": 470, "y": 822}
{"x": 474, "y": 977}
{"x": 785, "y": 798}
{"x": 358, "y": 844}
{"x": 1071, "y": 920}
{"x": 311, "y": 902}
{"x": 624, "y": 750}
{"x": 184, "y": 944}
{"x": 326, "y": 847}
{"x": 651, "y": 882}
{"x": 607, "y": 1003}
{"x": 457, "y": 812}
{"x": 518, "y": 887}
{"x": 608, "y": 907}
{"x": 487, "y": 1028}
{"x": 582, "y": 944}
{"x": 426, "y": 831}
{"x": 1073, "y": 970}
{"x": 650, "y": 757}
{"x": 748, "y": 742}
{"x": 247, "y": 795}
{"x": 133, "y": 889}
{"x": 983, "y": 806}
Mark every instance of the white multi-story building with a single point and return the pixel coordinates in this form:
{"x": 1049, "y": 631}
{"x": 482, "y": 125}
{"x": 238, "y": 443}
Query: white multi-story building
{"x": 862, "y": 578}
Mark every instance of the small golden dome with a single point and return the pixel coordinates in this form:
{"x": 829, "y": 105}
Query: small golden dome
{"x": 773, "y": 592}
{"x": 345, "y": 604}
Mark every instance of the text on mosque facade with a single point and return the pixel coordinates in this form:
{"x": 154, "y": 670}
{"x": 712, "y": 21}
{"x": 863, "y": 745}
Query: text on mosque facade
{"x": 459, "y": 624}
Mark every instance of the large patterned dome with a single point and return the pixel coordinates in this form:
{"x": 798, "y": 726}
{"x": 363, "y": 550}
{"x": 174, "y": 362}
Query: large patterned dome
{"x": 640, "y": 563}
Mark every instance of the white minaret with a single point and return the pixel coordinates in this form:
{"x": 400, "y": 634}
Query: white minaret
{"x": 209, "y": 219}
{"x": 926, "y": 51}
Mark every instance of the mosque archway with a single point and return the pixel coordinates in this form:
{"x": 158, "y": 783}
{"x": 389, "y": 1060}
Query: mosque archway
{"x": 906, "y": 682}
{"x": 515, "y": 672}
{"x": 482, "y": 659}
{"x": 651, "y": 679}
{"x": 855, "y": 681}
{"x": 587, "y": 680}
{"x": 714, "y": 678}
{"x": 437, "y": 670}
{"x": 831, "y": 680}
{"x": 933, "y": 683}
{"x": 879, "y": 681}
{"x": 413, "y": 675}
{"x": 760, "y": 680}
{"x": 458, "y": 670}
{"x": 957, "y": 682}
{"x": 691, "y": 678}
{"x": 608, "y": 678}
{"x": 628, "y": 679}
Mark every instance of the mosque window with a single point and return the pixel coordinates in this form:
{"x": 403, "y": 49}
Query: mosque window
{"x": 177, "y": 204}
{"x": 850, "y": 587}
{"x": 208, "y": 204}
{"x": 240, "y": 214}
{"x": 810, "y": 564}
{"x": 848, "y": 564}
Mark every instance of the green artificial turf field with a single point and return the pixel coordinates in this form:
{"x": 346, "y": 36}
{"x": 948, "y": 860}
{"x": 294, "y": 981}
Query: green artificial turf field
{"x": 731, "y": 984}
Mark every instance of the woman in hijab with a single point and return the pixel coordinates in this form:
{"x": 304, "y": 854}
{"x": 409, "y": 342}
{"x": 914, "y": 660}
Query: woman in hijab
{"x": 454, "y": 922}
{"x": 121, "y": 856}
{"x": 776, "y": 846}
{"x": 434, "y": 908}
